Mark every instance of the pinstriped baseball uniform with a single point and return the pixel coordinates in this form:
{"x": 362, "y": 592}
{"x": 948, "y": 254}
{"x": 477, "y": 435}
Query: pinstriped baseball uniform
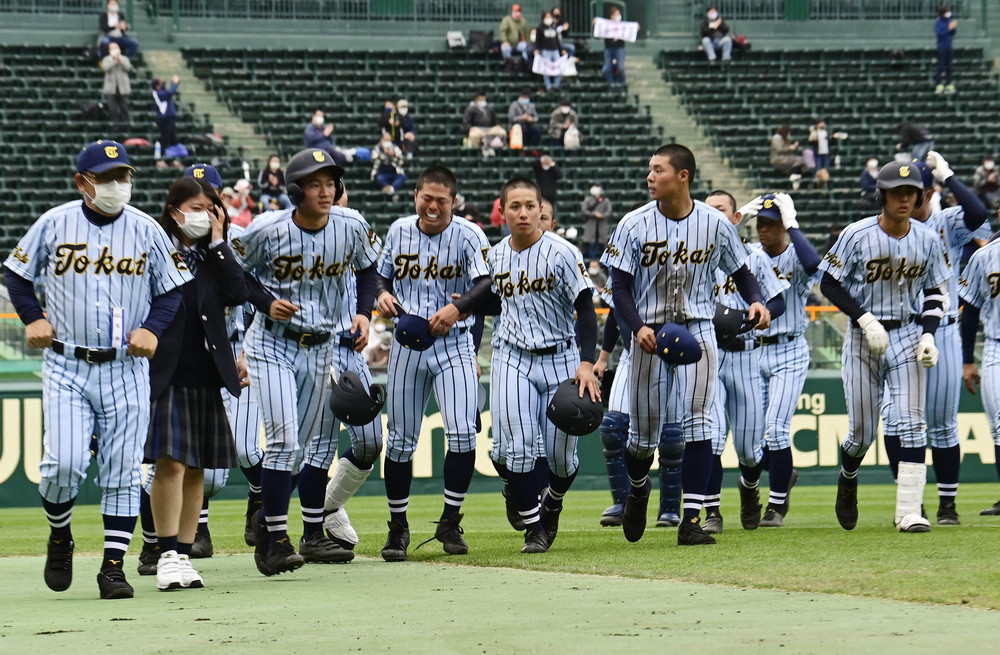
{"x": 886, "y": 275}
{"x": 426, "y": 269}
{"x": 673, "y": 263}
{"x": 979, "y": 286}
{"x": 91, "y": 271}
{"x": 538, "y": 287}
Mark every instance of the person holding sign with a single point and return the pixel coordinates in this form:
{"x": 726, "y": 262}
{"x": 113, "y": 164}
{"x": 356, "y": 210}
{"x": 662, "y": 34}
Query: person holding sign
{"x": 615, "y": 33}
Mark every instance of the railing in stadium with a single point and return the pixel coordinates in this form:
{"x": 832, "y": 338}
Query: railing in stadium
{"x": 832, "y": 9}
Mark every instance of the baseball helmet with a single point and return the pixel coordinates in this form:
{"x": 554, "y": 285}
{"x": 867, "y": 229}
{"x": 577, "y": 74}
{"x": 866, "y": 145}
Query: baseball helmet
{"x": 770, "y": 210}
{"x": 305, "y": 163}
{"x": 899, "y": 174}
{"x": 350, "y": 403}
{"x": 676, "y": 345}
{"x": 413, "y": 332}
{"x": 572, "y": 414}
{"x": 205, "y": 172}
{"x": 729, "y": 322}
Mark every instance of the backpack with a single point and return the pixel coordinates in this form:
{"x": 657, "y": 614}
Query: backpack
{"x": 515, "y": 64}
{"x": 480, "y": 41}
{"x": 571, "y": 138}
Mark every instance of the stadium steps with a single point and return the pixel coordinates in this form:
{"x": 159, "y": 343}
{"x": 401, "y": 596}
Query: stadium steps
{"x": 242, "y": 137}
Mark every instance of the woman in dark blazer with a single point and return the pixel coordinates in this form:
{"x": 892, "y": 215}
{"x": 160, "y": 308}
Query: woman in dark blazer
{"x": 189, "y": 430}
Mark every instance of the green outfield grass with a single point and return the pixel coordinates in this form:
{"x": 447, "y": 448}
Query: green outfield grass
{"x": 807, "y": 587}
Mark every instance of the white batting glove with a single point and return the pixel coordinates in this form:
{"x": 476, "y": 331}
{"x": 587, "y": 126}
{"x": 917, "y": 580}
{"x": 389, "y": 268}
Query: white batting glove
{"x": 940, "y": 166}
{"x": 927, "y": 352}
{"x": 787, "y": 208}
{"x": 750, "y": 210}
{"x": 875, "y": 334}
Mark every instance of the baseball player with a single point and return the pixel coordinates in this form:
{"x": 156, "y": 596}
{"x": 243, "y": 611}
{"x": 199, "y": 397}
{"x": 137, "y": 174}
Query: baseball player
{"x": 428, "y": 257}
{"x": 979, "y": 287}
{"x": 539, "y": 280}
{"x": 784, "y": 352}
{"x": 738, "y": 396}
{"x": 301, "y": 260}
{"x": 956, "y": 226}
{"x": 663, "y": 258}
{"x": 111, "y": 278}
{"x": 875, "y": 273}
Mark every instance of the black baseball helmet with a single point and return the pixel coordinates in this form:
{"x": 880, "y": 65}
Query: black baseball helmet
{"x": 729, "y": 322}
{"x": 899, "y": 174}
{"x": 305, "y": 163}
{"x": 350, "y": 403}
{"x": 572, "y": 414}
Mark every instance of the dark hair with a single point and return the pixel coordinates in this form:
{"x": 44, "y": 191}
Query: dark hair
{"x": 784, "y": 131}
{"x": 525, "y": 91}
{"x": 720, "y": 192}
{"x": 680, "y": 158}
{"x": 481, "y": 92}
{"x": 438, "y": 175}
{"x": 182, "y": 190}
{"x": 518, "y": 183}
{"x": 943, "y": 9}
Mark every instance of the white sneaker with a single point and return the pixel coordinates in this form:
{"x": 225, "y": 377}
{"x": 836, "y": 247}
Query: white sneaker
{"x": 338, "y": 527}
{"x": 913, "y": 523}
{"x": 168, "y": 571}
{"x": 190, "y": 579}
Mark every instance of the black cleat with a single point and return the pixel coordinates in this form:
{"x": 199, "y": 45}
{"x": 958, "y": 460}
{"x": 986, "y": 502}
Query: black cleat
{"x": 713, "y": 521}
{"x": 550, "y": 519}
{"x": 612, "y": 516}
{"x": 59, "y": 564}
{"x": 261, "y": 541}
{"x": 689, "y": 533}
{"x": 202, "y": 546}
{"x": 396, "y": 544}
{"x": 322, "y": 550}
{"x": 513, "y": 516}
{"x": 991, "y": 511}
{"x": 847, "y": 501}
{"x": 535, "y": 542}
{"x": 148, "y": 558}
{"x": 947, "y": 514}
{"x": 773, "y": 518}
{"x": 281, "y": 557}
{"x": 749, "y": 506}
{"x": 791, "y": 483}
{"x": 634, "y": 517}
{"x": 112, "y": 583}
{"x": 253, "y": 506}
{"x": 449, "y": 532}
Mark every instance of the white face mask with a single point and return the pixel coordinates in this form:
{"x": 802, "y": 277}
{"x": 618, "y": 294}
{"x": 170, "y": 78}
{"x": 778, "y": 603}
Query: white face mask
{"x": 112, "y": 9}
{"x": 481, "y": 104}
{"x": 712, "y": 15}
{"x": 274, "y": 165}
{"x": 988, "y": 165}
{"x": 564, "y": 110}
{"x": 947, "y": 15}
{"x": 196, "y": 224}
{"x": 873, "y": 165}
{"x": 594, "y": 270}
{"x": 403, "y": 111}
{"x": 317, "y": 120}
{"x": 111, "y": 197}
{"x": 616, "y": 18}
{"x": 596, "y": 191}
{"x": 547, "y": 21}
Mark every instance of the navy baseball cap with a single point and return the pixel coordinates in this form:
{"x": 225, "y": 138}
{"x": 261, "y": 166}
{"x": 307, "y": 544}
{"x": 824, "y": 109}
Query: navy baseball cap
{"x": 676, "y": 345}
{"x": 205, "y": 172}
{"x": 770, "y": 209}
{"x": 414, "y": 332}
{"x": 101, "y": 156}
{"x": 926, "y": 174}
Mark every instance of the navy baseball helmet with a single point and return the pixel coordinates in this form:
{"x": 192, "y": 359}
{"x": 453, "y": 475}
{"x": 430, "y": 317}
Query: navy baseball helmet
{"x": 101, "y": 156}
{"x": 676, "y": 345}
{"x": 900, "y": 174}
{"x": 571, "y": 413}
{"x": 351, "y": 403}
{"x": 413, "y": 332}
{"x": 205, "y": 172}
{"x": 305, "y": 163}
{"x": 729, "y": 322}
{"x": 770, "y": 209}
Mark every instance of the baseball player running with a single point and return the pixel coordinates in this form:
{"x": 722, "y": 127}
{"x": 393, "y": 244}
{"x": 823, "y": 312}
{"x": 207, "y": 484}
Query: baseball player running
{"x": 875, "y": 273}
{"x": 739, "y": 396}
{"x": 539, "y": 279}
{"x": 956, "y": 226}
{"x": 111, "y": 278}
{"x": 301, "y": 260}
{"x": 663, "y": 258}
{"x": 784, "y": 353}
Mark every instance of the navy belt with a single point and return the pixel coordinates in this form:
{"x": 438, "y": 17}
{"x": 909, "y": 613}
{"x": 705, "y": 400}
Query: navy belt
{"x": 89, "y": 355}
{"x": 891, "y": 324}
{"x": 739, "y": 346}
{"x": 552, "y": 350}
{"x": 304, "y": 339}
{"x": 778, "y": 338}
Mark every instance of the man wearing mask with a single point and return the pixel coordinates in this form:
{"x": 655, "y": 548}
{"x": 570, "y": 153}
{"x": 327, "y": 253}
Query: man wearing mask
{"x": 522, "y": 112}
{"x": 547, "y": 176}
{"x": 562, "y": 27}
{"x": 596, "y": 208}
{"x": 166, "y": 110}
{"x": 387, "y": 165}
{"x": 515, "y": 33}
{"x": 614, "y": 58}
{"x": 479, "y": 120}
{"x": 317, "y": 135}
{"x": 271, "y": 182}
{"x": 869, "y": 179}
{"x": 715, "y": 35}
{"x": 117, "y": 86}
{"x": 112, "y": 26}
{"x": 563, "y": 117}
{"x": 985, "y": 182}
{"x": 397, "y": 121}
{"x": 944, "y": 28}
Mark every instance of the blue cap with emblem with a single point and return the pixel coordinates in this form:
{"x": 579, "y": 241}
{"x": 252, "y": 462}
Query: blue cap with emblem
{"x": 205, "y": 172}
{"x": 769, "y": 209}
{"x": 101, "y": 156}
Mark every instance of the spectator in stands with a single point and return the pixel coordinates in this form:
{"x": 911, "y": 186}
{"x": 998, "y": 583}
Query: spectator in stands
{"x": 563, "y": 28}
{"x": 598, "y": 274}
{"x": 985, "y": 182}
{"x": 914, "y": 136}
{"x": 397, "y": 121}
{"x": 715, "y": 36}
{"x": 515, "y": 34}
{"x": 869, "y": 180}
{"x": 944, "y": 28}
{"x": 317, "y": 135}
{"x": 467, "y": 210}
{"x": 522, "y": 112}
{"x": 614, "y": 58}
{"x": 782, "y": 156}
{"x": 547, "y": 219}
{"x": 822, "y": 138}
{"x": 548, "y": 45}
{"x": 480, "y": 121}
{"x": 271, "y": 182}
{"x": 497, "y": 220}
{"x": 563, "y": 117}
{"x": 112, "y": 26}
{"x": 166, "y": 110}
{"x": 596, "y": 208}
{"x": 239, "y": 203}
{"x": 547, "y": 175}
{"x": 387, "y": 165}
{"x": 117, "y": 85}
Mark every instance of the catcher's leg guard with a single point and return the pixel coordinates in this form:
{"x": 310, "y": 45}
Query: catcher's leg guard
{"x": 671, "y": 453}
{"x": 614, "y": 437}
{"x": 345, "y": 483}
{"x": 910, "y": 496}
